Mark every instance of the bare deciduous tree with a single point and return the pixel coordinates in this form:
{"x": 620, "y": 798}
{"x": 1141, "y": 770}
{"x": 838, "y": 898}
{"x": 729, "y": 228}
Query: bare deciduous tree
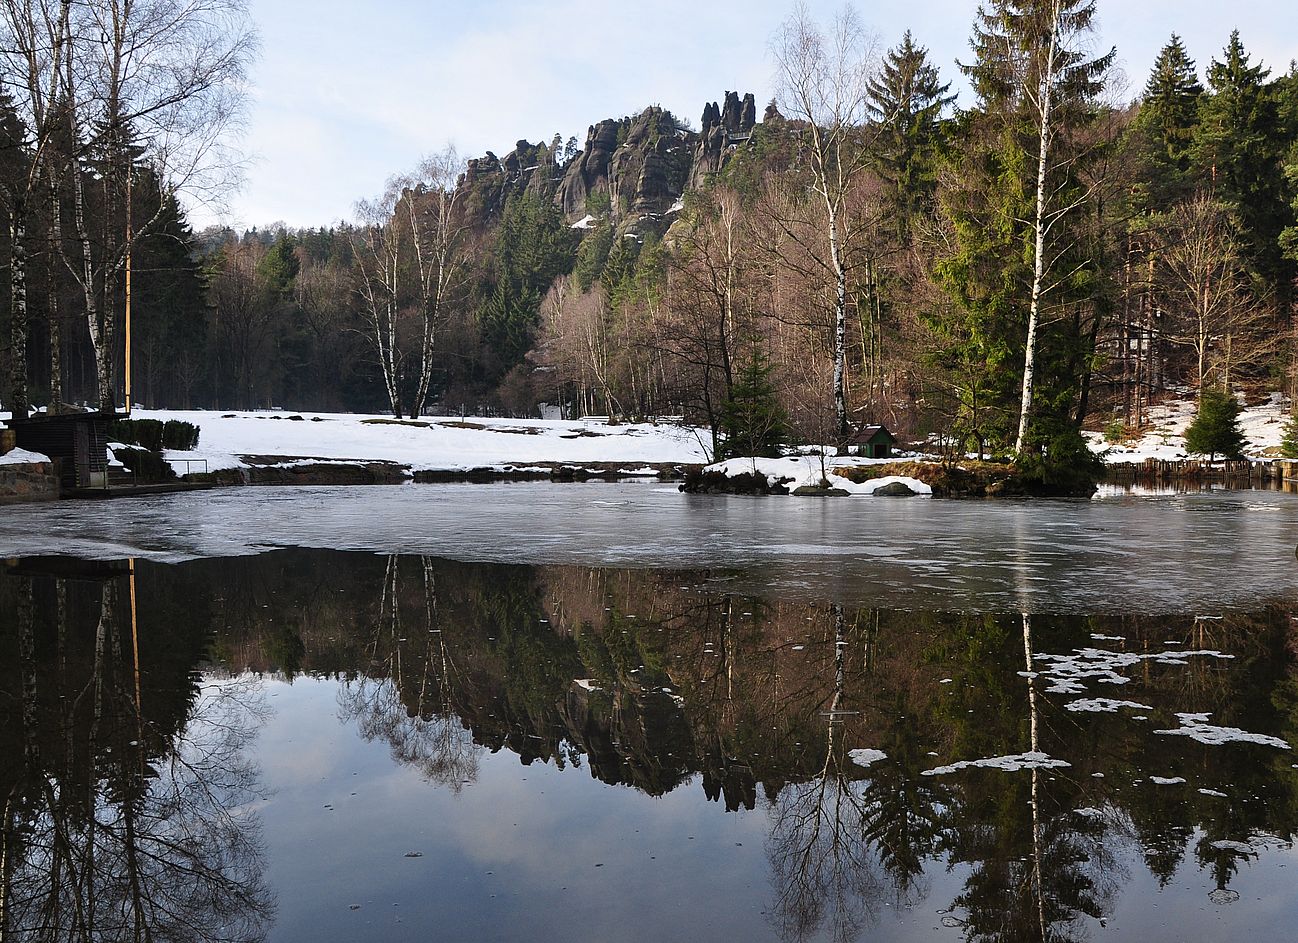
{"x": 824, "y": 84}
{"x": 1204, "y": 287}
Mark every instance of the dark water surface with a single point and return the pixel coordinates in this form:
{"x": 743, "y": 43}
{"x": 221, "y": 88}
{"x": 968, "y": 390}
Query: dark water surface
{"x": 315, "y": 745}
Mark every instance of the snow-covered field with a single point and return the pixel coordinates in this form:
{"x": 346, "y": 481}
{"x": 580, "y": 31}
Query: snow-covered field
{"x": 454, "y": 445}
{"x": 1263, "y": 427}
{"x": 433, "y": 443}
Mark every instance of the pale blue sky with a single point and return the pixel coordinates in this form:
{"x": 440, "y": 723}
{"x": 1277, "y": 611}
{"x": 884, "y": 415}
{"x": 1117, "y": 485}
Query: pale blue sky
{"x": 346, "y": 94}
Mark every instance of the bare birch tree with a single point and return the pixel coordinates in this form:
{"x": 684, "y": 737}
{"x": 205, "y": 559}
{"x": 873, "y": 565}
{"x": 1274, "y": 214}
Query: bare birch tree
{"x": 437, "y": 232}
{"x": 824, "y": 84}
{"x": 1204, "y": 286}
{"x": 377, "y": 244}
{"x": 152, "y": 83}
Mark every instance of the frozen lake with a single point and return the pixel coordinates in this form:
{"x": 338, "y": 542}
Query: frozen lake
{"x": 1114, "y": 553}
{"x": 310, "y": 746}
{"x": 613, "y": 711}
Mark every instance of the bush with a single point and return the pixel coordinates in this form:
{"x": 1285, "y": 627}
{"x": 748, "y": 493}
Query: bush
{"x": 1115, "y": 432}
{"x": 1215, "y": 430}
{"x": 178, "y": 435}
{"x": 148, "y": 466}
{"x": 1066, "y": 468}
{"x": 155, "y": 435}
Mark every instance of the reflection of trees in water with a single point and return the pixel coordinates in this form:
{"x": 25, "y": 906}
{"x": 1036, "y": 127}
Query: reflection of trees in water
{"x": 439, "y": 656}
{"x": 426, "y": 733}
{"x": 1038, "y": 867}
{"x": 824, "y": 867}
{"x": 117, "y": 829}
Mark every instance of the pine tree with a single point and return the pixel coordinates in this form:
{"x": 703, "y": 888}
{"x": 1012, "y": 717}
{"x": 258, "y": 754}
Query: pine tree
{"x": 1215, "y": 430}
{"x": 908, "y": 99}
{"x": 754, "y": 422}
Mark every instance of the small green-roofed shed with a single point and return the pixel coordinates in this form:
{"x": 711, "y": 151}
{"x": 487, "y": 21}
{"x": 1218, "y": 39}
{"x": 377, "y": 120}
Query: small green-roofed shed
{"x": 873, "y": 442}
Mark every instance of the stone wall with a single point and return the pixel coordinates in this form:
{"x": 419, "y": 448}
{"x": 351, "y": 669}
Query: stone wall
{"x": 37, "y": 481}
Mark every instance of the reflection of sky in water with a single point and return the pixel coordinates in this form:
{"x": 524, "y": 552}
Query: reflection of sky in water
{"x": 527, "y": 852}
{"x": 1115, "y": 553}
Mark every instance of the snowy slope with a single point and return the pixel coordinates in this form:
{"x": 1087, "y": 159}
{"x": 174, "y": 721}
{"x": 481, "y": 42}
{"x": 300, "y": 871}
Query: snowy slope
{"x": 1263, "y": 427}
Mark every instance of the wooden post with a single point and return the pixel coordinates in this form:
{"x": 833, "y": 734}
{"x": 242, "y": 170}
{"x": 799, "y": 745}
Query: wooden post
{"x": 126, "y": 380}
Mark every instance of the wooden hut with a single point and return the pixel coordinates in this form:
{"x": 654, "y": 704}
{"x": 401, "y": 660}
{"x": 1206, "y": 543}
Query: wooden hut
{"x": 873, "y": 442}
{"x": 76, "y": 442}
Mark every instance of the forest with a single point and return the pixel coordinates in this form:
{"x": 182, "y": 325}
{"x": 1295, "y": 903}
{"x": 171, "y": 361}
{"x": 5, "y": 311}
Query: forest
{"x": 1058, "y": 252}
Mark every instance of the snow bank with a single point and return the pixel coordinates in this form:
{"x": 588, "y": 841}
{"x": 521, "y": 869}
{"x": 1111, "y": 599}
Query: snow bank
{"x": 23, "y": 457}
{"x": 798, "y": 471}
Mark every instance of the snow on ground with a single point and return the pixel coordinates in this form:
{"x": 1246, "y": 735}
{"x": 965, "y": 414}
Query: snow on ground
{"x": 432, "y": 443}
{"x": 1263, "y": 427}
{"x": 806, "y": 470}
{"x": 22, "y": 457}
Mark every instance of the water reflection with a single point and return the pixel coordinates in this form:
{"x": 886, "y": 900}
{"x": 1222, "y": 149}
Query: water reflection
{"x": 840, "y": 727}
{"x": 126, "y": 796}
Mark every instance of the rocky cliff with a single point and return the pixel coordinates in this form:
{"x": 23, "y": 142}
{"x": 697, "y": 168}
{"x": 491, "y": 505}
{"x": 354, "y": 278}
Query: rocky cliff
{"x": 636, "y": 169}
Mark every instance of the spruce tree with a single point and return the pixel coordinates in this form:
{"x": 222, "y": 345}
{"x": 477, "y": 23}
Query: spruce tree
{"x": 1289, "y": 444}
{"x": 908, "y": 99}
{"x": 1215, "y": 430}
{"x": 997, "y": 219}
{"x": 1238, "y": 151}
{"x": 1167, "y": 121}
{"x": 755, "y": 423}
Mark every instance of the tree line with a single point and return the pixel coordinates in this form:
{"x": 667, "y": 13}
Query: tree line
{"x": 995, "y": 277}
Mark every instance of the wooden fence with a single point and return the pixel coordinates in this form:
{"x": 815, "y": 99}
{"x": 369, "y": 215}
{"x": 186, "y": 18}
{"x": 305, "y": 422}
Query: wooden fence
{"x": 1245, "y": 473}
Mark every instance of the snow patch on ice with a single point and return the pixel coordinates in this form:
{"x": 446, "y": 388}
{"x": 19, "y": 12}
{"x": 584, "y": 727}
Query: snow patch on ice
{"x": 1104, "y": 705}
{"x": 1009, "y": 764}
{"x": 1167, "y": 780}
{"x": 866, "y": 758}
{"x": 1070, "y": 673}
{"x": 1195, "y": 727}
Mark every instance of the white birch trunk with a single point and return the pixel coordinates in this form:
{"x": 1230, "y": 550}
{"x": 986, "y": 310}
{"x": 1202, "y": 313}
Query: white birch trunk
{"x": 1039, "y": 226}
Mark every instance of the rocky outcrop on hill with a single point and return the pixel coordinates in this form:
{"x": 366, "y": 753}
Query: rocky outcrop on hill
{"x": 635, "y": 168}
{"x": 491, "y": 180}
{"x": 723, "y": 128}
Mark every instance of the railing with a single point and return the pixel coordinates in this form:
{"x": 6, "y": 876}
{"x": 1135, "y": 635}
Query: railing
{"x": 189, "y": 462}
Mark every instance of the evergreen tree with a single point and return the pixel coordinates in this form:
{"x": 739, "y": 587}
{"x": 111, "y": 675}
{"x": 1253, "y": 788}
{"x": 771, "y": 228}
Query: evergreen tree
{"x": 755, "y": 423}
{"x": 908, "y": 99}
{"x": 1289, "y": 444}
{"x": 1238, "y": 153}
{"x": 533, "y": 247}
{"x": 1215, "y": 430}
{"x": 994, "y": 196}
{"x": 1167, "y": 120}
